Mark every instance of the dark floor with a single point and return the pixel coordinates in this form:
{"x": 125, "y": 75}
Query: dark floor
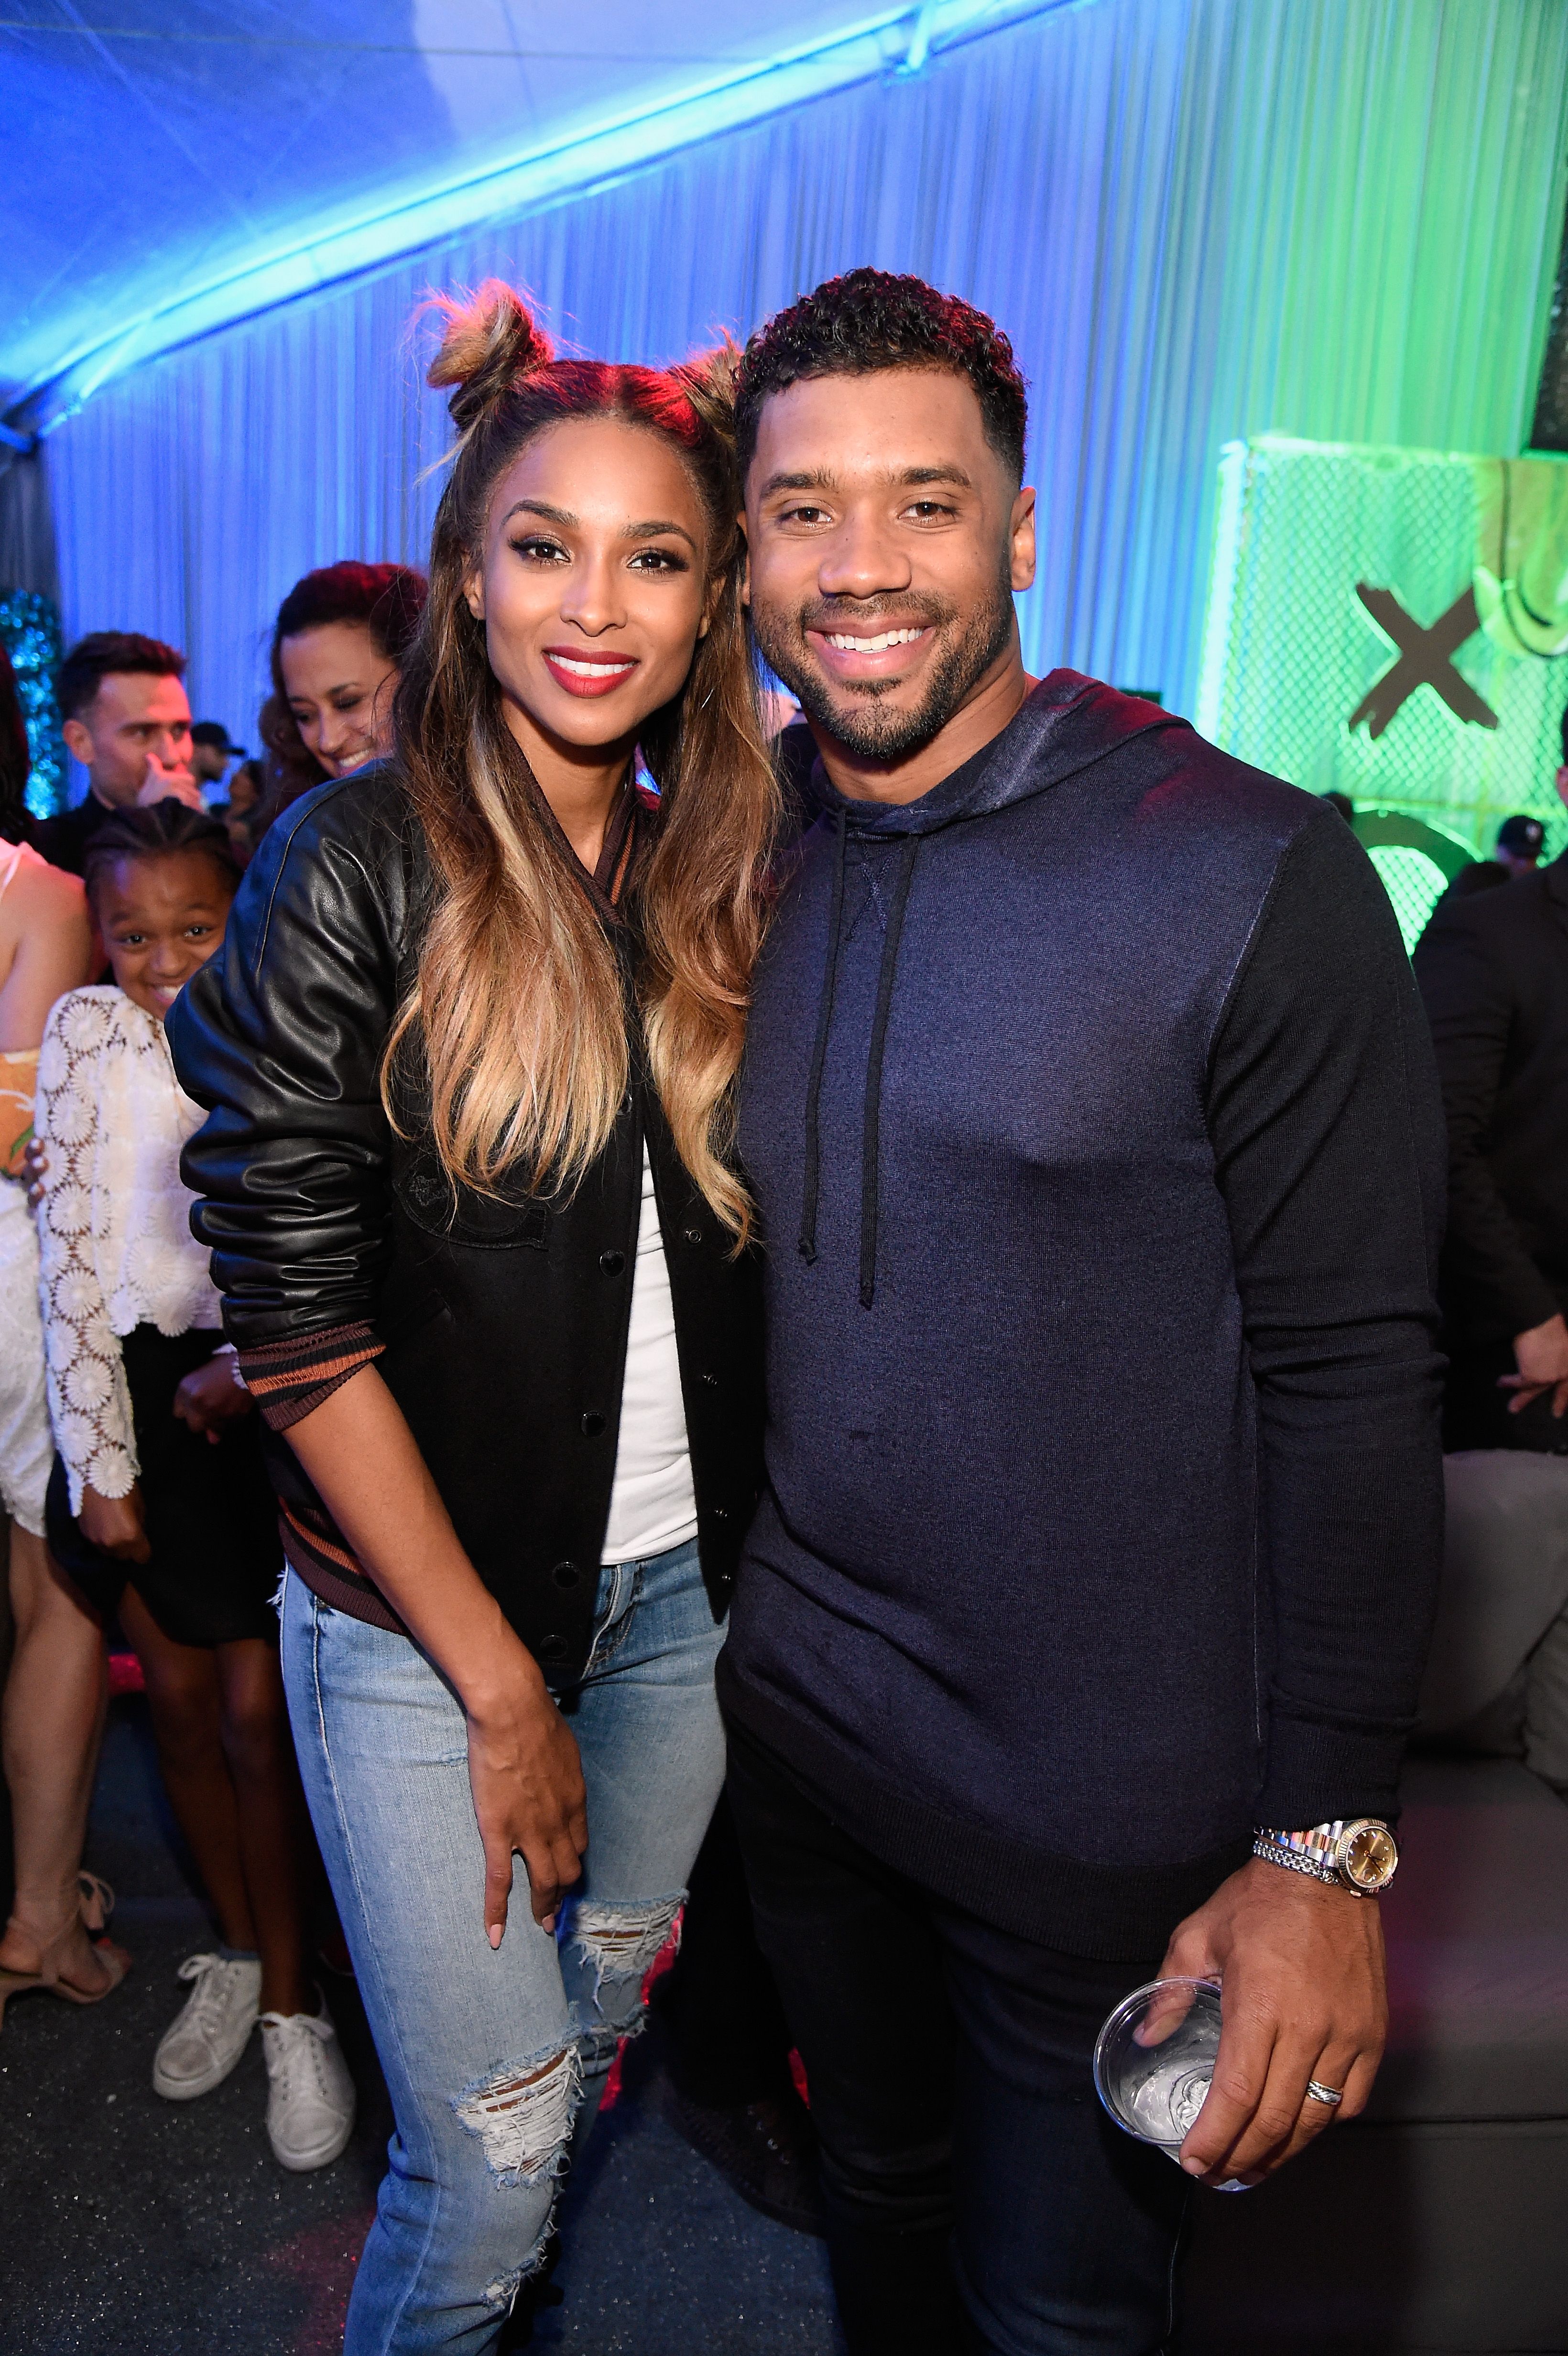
{"x": 135, "y": 2227}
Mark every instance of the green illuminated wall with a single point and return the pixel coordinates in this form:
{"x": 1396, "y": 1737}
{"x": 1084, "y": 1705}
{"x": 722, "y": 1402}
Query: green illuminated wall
{"x": 1291, "y": 651}
{"x": 1198, "y": 219}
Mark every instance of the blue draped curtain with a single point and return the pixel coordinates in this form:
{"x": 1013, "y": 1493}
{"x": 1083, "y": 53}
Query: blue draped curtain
{"x": 1197, "y": 219}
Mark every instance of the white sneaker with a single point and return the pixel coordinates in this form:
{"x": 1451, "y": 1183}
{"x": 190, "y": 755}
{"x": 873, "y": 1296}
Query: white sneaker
{"x": 201, "y": 2045}
{"x": 310, "y": 2094}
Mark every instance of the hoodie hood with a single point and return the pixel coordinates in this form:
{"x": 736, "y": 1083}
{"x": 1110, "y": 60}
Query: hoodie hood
{"x": 1063, "y": 726}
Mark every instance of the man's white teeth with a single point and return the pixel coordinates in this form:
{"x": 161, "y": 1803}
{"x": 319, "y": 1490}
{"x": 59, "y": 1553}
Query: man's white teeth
{"x": 850, "y": 645}
{"x": 590, "y": 669}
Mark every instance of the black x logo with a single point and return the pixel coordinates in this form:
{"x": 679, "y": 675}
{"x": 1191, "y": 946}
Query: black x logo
{"x": 1425, "y": 659}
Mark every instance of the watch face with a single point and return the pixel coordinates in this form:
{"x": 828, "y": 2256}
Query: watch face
{"x": 1368, "y": 1856}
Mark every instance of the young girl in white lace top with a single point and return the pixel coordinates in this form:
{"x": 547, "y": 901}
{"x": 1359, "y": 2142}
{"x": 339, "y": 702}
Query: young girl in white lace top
{"x": 158, "y": 1505}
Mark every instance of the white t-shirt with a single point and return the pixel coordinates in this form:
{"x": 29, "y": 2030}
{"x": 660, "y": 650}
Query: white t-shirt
{"x": 652, "y": 1506}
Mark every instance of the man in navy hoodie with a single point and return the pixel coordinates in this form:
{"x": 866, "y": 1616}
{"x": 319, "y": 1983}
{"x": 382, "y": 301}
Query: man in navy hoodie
{"x": 1092, "y": 1120}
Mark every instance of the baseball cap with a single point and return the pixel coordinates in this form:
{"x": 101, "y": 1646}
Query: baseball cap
{"x": 213, "y": 732}
{"x": 1521, "y": 836}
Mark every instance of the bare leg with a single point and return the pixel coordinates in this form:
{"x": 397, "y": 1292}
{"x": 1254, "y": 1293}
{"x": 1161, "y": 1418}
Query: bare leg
{"x": 184, "y": 1698}
{"x": 274, "y": 1830}
{"x": 55, "y": 1696}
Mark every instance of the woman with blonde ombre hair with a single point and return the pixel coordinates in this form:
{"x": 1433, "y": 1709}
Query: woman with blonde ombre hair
{"x": 469, "y": 1055}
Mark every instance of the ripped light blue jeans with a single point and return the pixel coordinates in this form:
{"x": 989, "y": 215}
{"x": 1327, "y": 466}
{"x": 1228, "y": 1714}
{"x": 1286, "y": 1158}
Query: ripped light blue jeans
{"x": 491, "y": 2055}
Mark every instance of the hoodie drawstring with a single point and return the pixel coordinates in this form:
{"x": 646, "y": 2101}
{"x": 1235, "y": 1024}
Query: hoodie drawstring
{"x": 871, "y": 1132}
{"x": 871, "y": 1129}
{"x": 819, "y": 1052}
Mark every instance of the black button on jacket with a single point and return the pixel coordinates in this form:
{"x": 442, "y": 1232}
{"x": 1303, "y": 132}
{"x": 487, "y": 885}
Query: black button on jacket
{"x": 504, "y": 1322}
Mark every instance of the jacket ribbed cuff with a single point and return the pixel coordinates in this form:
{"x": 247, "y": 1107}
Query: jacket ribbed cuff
{"x": 1317, "y": 1772}
{"x": 289, "y": 1379}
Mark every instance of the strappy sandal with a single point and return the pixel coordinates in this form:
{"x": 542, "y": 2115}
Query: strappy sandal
{"x": 94, "y": 1904}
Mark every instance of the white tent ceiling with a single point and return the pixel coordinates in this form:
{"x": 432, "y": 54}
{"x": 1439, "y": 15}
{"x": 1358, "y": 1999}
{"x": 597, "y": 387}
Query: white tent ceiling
{"x": 168, "y": 164}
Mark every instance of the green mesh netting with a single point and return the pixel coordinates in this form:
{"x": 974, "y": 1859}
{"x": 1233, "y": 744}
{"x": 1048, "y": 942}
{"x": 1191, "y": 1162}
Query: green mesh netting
{"x": 1289, "y": 649}
{"x": 1413, "y": 882}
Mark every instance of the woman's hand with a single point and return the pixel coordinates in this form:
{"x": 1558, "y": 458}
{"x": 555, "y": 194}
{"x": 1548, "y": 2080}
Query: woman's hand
{"x": 526, "y": 1780}
{"x": 523, "y": 1767}
{"x": 116, "y": 1525}
{"x": 210, "y": 1399}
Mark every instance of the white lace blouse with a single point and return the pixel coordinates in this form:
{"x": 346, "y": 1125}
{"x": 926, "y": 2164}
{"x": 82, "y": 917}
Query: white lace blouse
{"x": 115, "y": 1239}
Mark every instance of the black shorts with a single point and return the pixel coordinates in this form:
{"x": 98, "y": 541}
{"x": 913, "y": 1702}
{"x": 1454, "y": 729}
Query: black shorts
{"x": 212, "y": 1518}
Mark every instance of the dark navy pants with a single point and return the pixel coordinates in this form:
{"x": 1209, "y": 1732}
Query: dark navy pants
{"x": 978, "y": 2197}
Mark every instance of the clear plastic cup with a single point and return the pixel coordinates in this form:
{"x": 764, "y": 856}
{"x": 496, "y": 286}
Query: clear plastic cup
{"x": 1153, "y": 2059}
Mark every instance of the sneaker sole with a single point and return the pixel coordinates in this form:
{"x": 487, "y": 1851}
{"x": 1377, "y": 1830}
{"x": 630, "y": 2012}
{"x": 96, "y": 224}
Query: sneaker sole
{"x": 302, "y": 2163}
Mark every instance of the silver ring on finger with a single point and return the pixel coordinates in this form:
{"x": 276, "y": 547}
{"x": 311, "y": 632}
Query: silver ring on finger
{"x": 1316, "y": 2092}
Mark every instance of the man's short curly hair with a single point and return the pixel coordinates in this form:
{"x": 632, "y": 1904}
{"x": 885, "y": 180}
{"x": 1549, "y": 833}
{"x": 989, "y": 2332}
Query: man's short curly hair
{"x": 869, "y": 319}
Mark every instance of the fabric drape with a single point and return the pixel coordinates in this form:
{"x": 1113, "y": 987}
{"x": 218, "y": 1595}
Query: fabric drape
{"x": 1198, "y": 219}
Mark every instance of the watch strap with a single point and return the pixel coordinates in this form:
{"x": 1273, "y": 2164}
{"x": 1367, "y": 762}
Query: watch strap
{"x": 1314, "y": 1852}
{"x": 1275, "y": 1853}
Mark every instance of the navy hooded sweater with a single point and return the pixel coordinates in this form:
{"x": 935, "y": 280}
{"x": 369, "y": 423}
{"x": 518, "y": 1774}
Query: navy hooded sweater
{"x": 1093, "y": 1126}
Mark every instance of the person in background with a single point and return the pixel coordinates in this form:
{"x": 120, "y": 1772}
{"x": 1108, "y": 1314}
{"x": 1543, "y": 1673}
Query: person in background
{"x": 17, "y": 823}
{"x": 211, "y": 753}
{"x": 1493, "y": 973}
{"x": 239, "y": 813}
{"x": 127, "y": 719}
{"x": 1093, "y": 1128}
{"x": 1343, "y": 803}
{"x": 158, "y": 1504}
{"x": 55, "y": 1691}
{"x": 338, "y": 650}
{"x": 1520, "y": 841}
{"x": 719, "y": 2060}
{"x": 1492, "y": 970}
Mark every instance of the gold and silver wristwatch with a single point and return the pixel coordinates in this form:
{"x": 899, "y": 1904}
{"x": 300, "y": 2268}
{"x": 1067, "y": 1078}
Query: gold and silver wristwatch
{"x": 1357, "y": 1853}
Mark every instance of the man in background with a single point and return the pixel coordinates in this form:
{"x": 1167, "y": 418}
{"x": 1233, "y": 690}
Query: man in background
{"x": 1520, "y": 843}
{"x": 1493, "y": 971}
{"x": 211, "y": 753}
{"x": 127, "y": 720}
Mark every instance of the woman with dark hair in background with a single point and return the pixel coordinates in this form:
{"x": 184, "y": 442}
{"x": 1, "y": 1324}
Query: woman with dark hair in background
{"x": 337, "y": 653}
{"x": 471, "y": 1052}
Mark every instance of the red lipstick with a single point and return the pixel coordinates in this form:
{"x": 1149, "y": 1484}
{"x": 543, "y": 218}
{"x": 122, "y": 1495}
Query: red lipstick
{"x": 598, "y": 671}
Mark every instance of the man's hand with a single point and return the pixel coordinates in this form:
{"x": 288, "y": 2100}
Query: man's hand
{"x": 210, "y": 1399}
{"x": 115, "y": 1524}
{"x": 1301, "y": 1967}
{"x": 1542, "y": 1357}
{"x": 161, "y": 784}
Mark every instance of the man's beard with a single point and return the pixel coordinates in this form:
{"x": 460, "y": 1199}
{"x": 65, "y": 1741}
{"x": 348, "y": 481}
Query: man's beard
{"x": 867, "y": 728}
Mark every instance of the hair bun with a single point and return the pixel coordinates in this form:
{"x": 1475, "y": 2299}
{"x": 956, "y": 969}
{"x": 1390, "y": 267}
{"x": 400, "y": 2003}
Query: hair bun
{"x": 708, "y": 380}
{"x": 490, "y": 341}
